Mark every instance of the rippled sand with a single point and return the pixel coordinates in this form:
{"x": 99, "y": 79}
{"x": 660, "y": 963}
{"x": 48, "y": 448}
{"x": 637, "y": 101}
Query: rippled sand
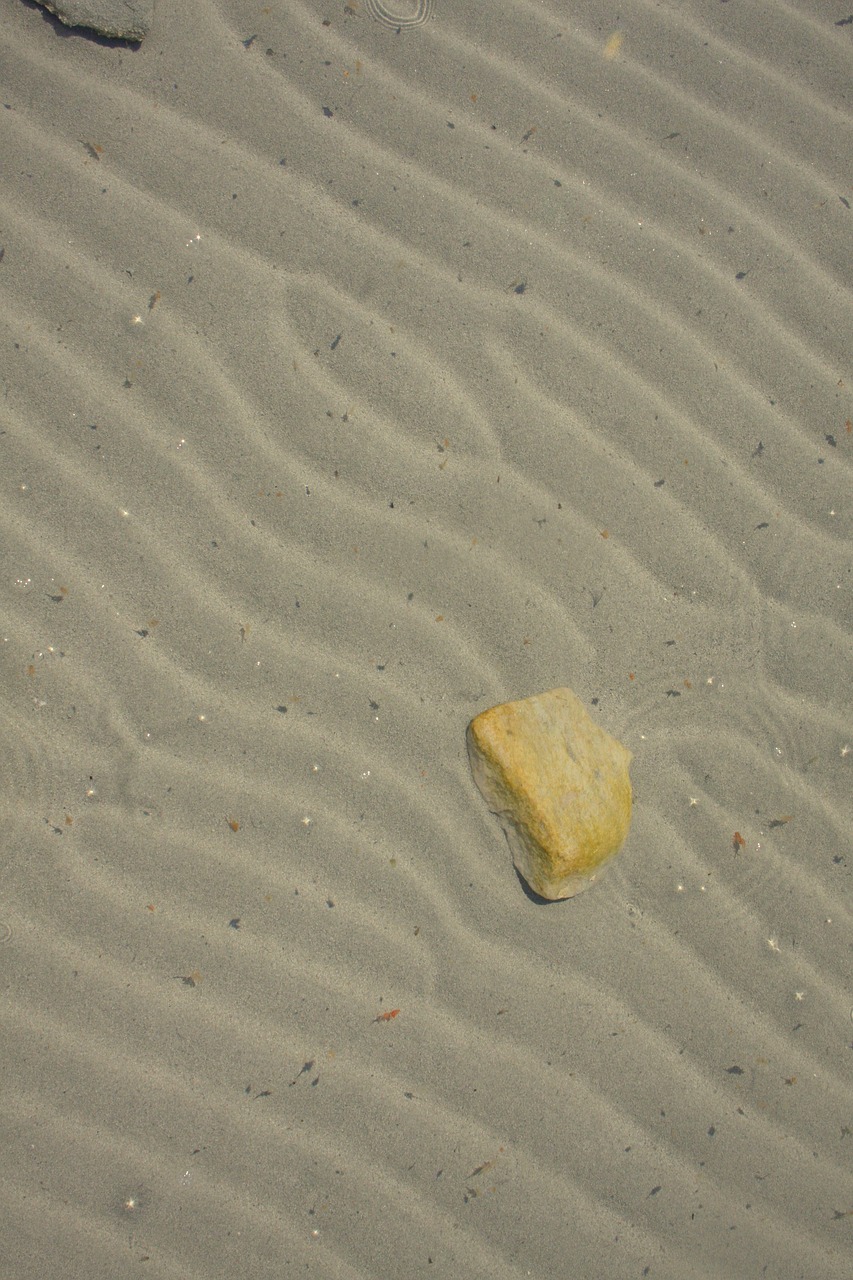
{"x": 355, "y": 377}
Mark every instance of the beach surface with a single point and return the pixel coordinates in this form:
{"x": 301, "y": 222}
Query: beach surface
{"x": 363, "y": 366}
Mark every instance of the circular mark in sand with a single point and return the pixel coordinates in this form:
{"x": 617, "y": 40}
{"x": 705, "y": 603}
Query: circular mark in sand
{"x": 415, "y": 12}
{"x": 5, "y": 931}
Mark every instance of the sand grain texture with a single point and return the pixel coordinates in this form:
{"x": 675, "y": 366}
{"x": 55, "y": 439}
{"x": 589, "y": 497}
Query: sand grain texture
{"x": 354, "y": 381}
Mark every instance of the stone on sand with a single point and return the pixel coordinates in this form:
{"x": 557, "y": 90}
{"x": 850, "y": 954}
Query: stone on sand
{"x": 120, "y": 19}
{"x": 559, "y": 785}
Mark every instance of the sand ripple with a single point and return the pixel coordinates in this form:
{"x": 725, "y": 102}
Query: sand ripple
{"x": 365, "y": 366}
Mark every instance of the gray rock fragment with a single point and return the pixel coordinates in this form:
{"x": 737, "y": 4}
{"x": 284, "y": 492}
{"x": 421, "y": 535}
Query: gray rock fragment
{"x": 121, "y": 19}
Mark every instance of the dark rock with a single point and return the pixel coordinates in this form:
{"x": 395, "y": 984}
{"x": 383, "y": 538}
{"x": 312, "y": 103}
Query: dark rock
{"x": 120, "y": 19}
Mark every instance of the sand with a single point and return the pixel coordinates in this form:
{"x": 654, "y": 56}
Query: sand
{"x": 354, "y": 380}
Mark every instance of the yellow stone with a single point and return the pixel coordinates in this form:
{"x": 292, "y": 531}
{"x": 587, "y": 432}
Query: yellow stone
{"x": 559, "y": 785}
